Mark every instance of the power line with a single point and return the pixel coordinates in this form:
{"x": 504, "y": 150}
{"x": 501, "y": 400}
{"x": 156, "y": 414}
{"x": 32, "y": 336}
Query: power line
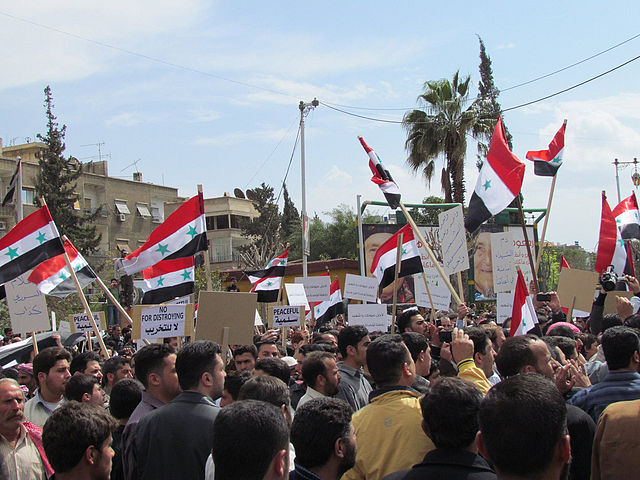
{"x": 569, "y": 66}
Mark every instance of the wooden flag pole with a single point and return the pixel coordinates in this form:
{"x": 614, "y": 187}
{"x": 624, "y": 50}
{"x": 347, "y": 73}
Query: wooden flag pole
{"x": 445, "y": 277}
{"x": 395, "y": 280}
{"x": 35, "y": 343}
{"x": 85, "y": 304}
{"x": 207, "y": 265}
{"x": 433, "y": 308}
{"x": 460, "y": 286}
{"x": 546, "y": 220}
{"x": 526, "y": 240}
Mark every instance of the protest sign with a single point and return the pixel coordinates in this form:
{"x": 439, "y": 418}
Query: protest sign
{"x": 440, "y": 294}
{"x": 520, "y": 254}
{"x": 218, "y": 310}
{"x": 181, "y": 301}
{"x": 358, "y": 287}
{"x": 285, "y": 316}
{"x": 453, "y": 240}
{"x": 578, "y": 284}
{"x": 610, "y": 302}
{"x": 502, "y": 259}
{"x": 162, "y": 321}
{"x": 504, "y": 303}
{"x": 296, "y": 295}
{"x": 372, "y": 316}
{"x": 79, "y": 322}
{"x": 27, "y": 306}
{"x": 316, "y": 288}
{"x": 257, "y": 321}
{"x": 64, "y": 327}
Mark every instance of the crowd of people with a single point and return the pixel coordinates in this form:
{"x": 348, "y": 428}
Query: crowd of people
{"x": 447, "y": 395}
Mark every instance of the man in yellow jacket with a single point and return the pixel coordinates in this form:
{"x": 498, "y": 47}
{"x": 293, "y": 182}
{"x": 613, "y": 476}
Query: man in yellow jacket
{"x": 388, "y": 430}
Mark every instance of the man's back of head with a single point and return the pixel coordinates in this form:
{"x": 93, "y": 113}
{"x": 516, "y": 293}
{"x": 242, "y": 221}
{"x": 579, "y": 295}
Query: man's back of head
{"x": 266, "y": 389}
{"x": 450, "y": 413}
{"x": 322, "y": 435}
{"x": 389, "y": 361}
{"x": 523, "y": 422}
{"x": 515, "y": 354}
{"x": 621, "y": 348}
{"x": 275, "y": 367}
{"x": 264, "y": 424}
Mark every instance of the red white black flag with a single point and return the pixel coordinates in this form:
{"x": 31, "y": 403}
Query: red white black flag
{"x": 167, "y": 280}
{"x": 383, "y": 266}
{"x": 266, "y": 282}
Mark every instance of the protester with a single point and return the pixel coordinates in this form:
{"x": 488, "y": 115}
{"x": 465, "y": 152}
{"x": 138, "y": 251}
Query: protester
{"x": 483, "y": 353}
{"x": 411, "y": 321}
{"x": 267, "y": 349}
{"x": 112, "y": 310}
{"x": 234, "y": 286}
{"x": 523, "y": 422}
{"x": 388, "y": 433}
{"x": 85, "y": 388}
{"x": 324, "y": 440}
{"x": 156, "y": 370}
{"x": 276, "y": 367}
{"x": 77, "y": 440}
{"x": 354, "y": 388}
{"x": 320, "y": 373}
{"x": 114, "y": 340}
{"x": 232, "y": 384}
{"x": 21, "y": 451}
{"x": 125, "y": 397}
{"x": 114, "y": 369}
{"x": 267, "y": 457}
{"x": 87, "y": 362}
{"x": 26, "y": 378}
{"x": 186, "y": 421}
{"x": 450, "y": 419}
{"x": 462, "y": 351}
{"x": 51, "y": 369}
{"x": 245, "y": 356}
{"x": 421, "y": 355}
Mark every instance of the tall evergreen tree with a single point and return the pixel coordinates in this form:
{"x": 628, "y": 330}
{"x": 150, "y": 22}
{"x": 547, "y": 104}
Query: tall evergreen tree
{"x": 56, "y": 182}
{"x": 290, "y": 216}
{"x": 487, "y": 101}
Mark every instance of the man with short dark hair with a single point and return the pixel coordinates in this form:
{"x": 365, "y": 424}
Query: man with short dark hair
{"x": 267, "y": 349}
{"x": 275, "y": 367}
{"x": 483, "y": 354}
{"x": 87, "y": 362}
{"x": 125, "y": 397}
{"x": 51, "y": 369}
{"x": 84, "y": 388}
{"x": 156, "y": 370}
{"x": 324, "y": 440}
{"x": 232, "y": 384}
{"x": 411, "y": 321}
{"x": 264, "y": 424}
{"x": 523, "y": 422}
{"x": 114, "y": 369}
{"x": 352, "y": 345}
{"x": 21, "y": 449}
{"x": 320, "y": 373}
{"x": 77, "y": 440}
{"x": 450, "y": 419}
{"x": 621, "y": 349}
{"x": 389, "y": 437}
{"x": 244, "y": 357}
{"x": 186, "y": 421}
{"x": 421, "y": 354}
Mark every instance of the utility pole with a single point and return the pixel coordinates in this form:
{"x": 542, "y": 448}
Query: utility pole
{"x": 305, "y": 108}
{"x": 635, "y": 177}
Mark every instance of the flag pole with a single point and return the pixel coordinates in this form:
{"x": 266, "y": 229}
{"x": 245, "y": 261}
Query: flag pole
{"x": 460, "y": 287}
{"x": 432, "y": 256}
{"x": 395, "y": 280}
{"x": 426, "y": 284}
{"x": 546, "y": 220}
{"x": 526, "y": 240}
{"x": 207, "y": 265}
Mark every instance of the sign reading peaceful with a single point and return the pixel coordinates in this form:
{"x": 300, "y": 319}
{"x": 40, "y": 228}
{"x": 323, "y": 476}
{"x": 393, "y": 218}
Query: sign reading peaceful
{"x": 502, "y": 259}
{"x": 286, "y": 316}
{"x": 358, "y": 287}
{"x": 316, "y": 288}
{"x": 453, "y": 240}
{"x": 373, "y": 316}
{"x": 80, "y": 322}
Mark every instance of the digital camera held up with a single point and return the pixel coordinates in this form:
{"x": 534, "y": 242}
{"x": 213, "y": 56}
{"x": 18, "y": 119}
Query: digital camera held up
{"x": 608, "y": 279}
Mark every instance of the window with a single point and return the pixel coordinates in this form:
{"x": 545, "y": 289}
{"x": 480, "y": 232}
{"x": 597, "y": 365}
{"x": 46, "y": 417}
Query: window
{"x": 87, "y": 204}
{"x": 28, "y": 196}
{"x": 156, "y": 215}
{"x": 121, "y": 207}
{"x": 238, "y": 221}
{"x": 143, "y": 210}
{"x": 123, "y": 244}
{"x": 211, "y": 223}
{"x": 222, "y": 221}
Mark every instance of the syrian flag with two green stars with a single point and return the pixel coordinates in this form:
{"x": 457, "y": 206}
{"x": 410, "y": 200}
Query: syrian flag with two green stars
{"x": 182, "y": 234}
{"x": 547, "y": 162}
{"x": 383, "y": 266}
{"x": 498, "y": 184}
{"x": 266, "y": 282}
{"x": 28, "y": 244}
{"x": 167, "y": 280}
{"x": 52, "y": 277}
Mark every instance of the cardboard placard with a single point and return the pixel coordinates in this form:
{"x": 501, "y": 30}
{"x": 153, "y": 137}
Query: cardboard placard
{"x": 440, "y": 294}
{"x": 64, "y": 328}
{"x": 610, "y": 301}
{"x": 296, "y": 295}
{"x": 316, "y": 288}
{"x": 79, "y": 322}
{"x": 257, "y": 322}
{"x": 579, "y": 284}
{"x": 235, "y": 310}
{"x": 27, "y": 306}
{"x": 504, "y": 303}
{"x": 162, "y": 321}
{"x": 373, "y": 316}
{"x": 181, "y": 301}
{"x": 502, "y": 260}
{"x": 453, "y": 239}
{"x": 285, "y": 316}
{"x": 358, "y": 287}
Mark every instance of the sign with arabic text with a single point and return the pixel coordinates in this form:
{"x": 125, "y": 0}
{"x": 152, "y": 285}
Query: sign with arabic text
{"x": 27, "y": 306}
{"x": 453, "y": 239}
{"x": 80, "y": 323}
{"x": 162, "y": 321}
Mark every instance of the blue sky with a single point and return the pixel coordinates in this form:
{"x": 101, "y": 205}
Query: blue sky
{"x": 207, "y": 92}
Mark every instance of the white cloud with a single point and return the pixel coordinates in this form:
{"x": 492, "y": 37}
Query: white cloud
{"x": 203, "y": 115}
{"x": 234, "y": 138}
{"x": 126, "y": 119}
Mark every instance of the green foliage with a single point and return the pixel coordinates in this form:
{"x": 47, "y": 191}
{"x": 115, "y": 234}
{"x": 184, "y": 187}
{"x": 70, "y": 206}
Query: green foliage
{"x": 290, "y": 218}
{"x": 424, "y": 216}
{"x": 200, "y": 283}
{"x": 439, "y": 129}
{"x": 56, "y": 182}
{"x": 549, "y": 271}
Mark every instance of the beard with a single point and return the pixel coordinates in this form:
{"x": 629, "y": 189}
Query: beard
{"x": 349, "y": 459}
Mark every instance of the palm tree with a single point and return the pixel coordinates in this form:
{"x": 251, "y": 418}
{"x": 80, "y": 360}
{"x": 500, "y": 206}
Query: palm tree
{"x": 440, "y": 128}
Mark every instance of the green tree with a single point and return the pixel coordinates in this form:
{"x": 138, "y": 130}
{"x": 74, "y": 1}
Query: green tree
{"x": 427, "y": 216}
{"x": 290, "y": 218}
{"x": 549, "y": 270}
{"x": 56, "y": 182}
{"x": 440, "y": 129}
{"x": 488, "y": 105}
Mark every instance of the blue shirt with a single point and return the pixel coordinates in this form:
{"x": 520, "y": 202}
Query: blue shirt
{"x": 615, "y": 387}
